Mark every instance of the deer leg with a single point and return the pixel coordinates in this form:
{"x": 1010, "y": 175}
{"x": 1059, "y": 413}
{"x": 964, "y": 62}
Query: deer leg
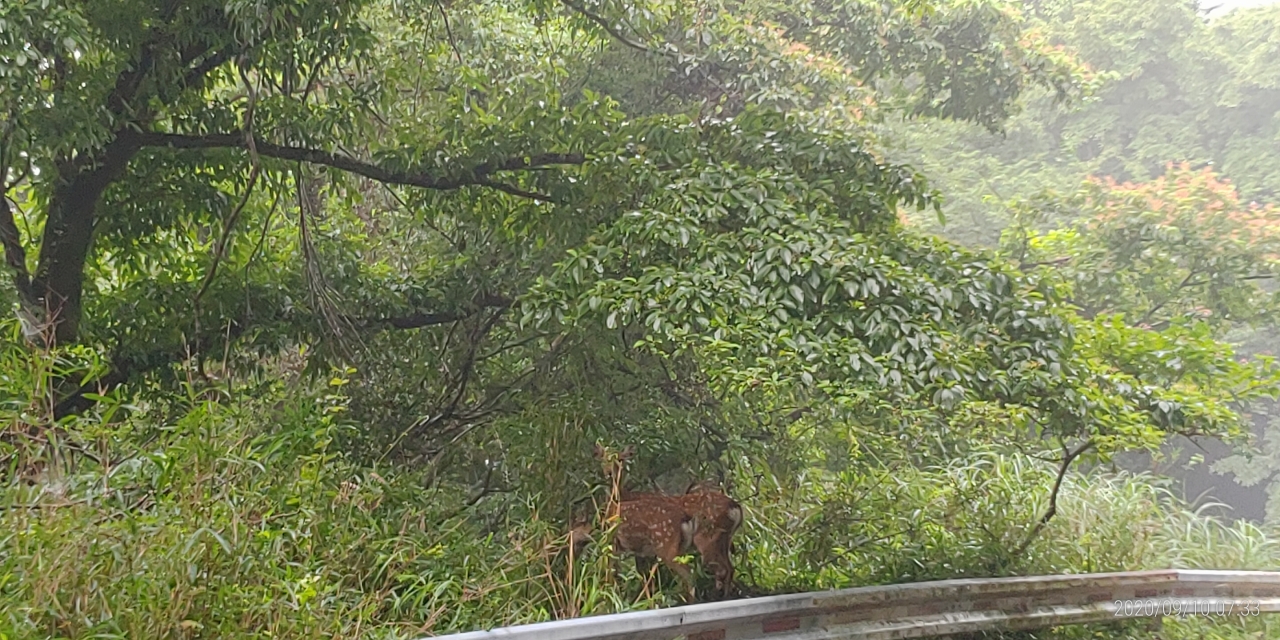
{"x": 684, "y": 574}
{"x": 724, "y": 569}
{"x": 717, "y": 560}
{"x": 645, "y": 567}
{"x": 724, "y": 576}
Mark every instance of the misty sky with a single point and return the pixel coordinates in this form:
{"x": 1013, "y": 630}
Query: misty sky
{"x": 1227, "y": 5}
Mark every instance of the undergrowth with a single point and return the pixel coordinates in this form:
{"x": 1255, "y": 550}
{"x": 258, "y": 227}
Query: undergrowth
{"x": 228, "y": 511}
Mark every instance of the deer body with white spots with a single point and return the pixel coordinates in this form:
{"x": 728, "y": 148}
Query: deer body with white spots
{"x": 648, "y": 528}
{"x": 716, "y": 517}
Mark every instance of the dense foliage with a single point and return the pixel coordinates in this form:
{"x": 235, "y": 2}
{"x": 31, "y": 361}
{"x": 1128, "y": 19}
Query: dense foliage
{"x": 321, "y": 305}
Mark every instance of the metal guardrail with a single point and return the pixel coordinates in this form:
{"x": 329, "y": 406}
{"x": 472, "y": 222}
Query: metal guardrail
{"x": 930, "y": 609}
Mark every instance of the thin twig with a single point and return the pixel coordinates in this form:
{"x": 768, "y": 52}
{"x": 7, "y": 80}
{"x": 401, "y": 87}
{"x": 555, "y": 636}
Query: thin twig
{"x": 448, "y": 31}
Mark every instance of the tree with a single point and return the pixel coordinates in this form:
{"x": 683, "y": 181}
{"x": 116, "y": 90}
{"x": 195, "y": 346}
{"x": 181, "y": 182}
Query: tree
{"x": 1164, "y": 265}
{"x": 1181, "y": 246}
{"x": 784, "y": 282}
{"x": 136, "y": 84}
{"x": 142, "y": 139}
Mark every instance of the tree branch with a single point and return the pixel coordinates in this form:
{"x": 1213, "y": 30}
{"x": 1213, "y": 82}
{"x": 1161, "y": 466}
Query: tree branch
{"x": 419, "y": 319}
{"x": 610, "y": 29}
{"x": 1023, "y": 266}
{"x": 476, "y": 176}
{"x": 1068, "y": 456}
{"x": 448, "y": 31}
{"x": 1182, "y": 285}
{"x": 212, "y": 61}
{"x": 1202, "y": 283}
{"x": 515, "y": 191}
{"x": 412, "y": 321}
{"x": 126, "y": 365}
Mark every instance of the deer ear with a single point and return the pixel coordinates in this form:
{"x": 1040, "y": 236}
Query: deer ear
{"x": 598, "y": 450}
{"x": 627, "y": 452}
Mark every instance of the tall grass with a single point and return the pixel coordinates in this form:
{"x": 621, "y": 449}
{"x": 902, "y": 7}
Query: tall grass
{"x": 969, "y": 517}
{"x": 190, "y": 516}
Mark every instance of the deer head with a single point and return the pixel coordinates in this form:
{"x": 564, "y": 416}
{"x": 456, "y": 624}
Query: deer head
{"x": 614, "y": 465}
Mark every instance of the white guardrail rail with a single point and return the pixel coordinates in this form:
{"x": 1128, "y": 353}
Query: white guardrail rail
{"x": 931, "y": 609}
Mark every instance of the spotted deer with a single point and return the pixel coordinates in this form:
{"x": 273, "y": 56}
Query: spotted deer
{"x": 646, "y": 528}
{"x": 716, "y": 516}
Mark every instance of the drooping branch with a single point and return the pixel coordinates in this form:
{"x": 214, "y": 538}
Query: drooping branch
{"x": 478, "y": 175}
{"x": 420, "y": 319}
{"x": 128, "y": 364}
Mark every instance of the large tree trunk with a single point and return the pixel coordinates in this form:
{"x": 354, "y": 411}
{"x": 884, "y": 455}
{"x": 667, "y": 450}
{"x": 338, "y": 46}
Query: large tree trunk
{"x": 59, "y": 278}
{"x": 58, "y": 283}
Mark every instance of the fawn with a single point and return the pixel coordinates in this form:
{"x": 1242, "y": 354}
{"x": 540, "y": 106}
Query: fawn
{"x": 716, "y": 516}
{"x": 646, "y": 529}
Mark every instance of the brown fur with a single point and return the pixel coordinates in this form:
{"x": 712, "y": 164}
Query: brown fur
{"x": 716, "y": 516}
{"x": 649, "y": 528}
